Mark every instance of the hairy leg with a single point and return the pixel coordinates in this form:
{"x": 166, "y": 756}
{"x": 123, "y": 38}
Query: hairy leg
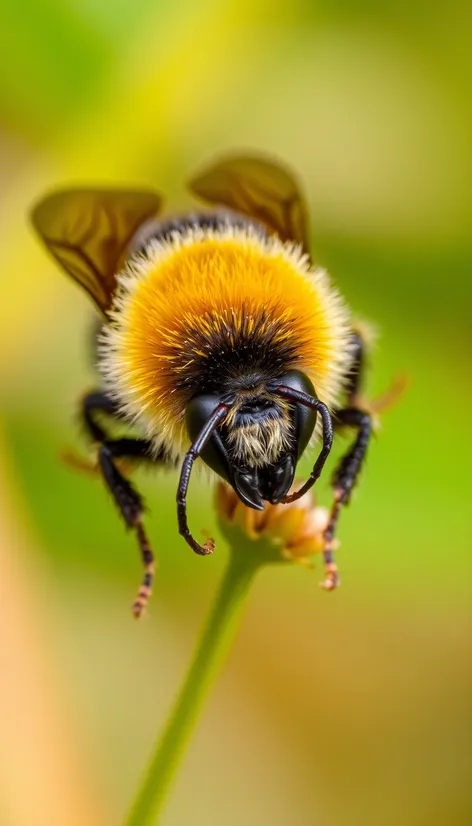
{"x": 348, "y": 469}
{"x": 344, "y": 479}
{"x": 126, "y": 497}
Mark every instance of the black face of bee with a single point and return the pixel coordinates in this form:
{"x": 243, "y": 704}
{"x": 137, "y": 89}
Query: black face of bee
{"x": 260, "y": 479}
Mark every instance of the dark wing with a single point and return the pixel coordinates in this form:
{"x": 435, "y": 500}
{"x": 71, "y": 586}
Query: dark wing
{"x": 89, "y": 230}
{"x": 262, "y": 189}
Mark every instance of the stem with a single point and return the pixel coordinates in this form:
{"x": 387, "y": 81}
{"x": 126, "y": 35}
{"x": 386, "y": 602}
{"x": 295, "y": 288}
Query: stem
{"x": 216, "y": 640}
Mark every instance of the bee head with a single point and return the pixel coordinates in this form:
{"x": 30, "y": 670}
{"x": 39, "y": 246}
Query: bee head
{"x": 257, "y": 447}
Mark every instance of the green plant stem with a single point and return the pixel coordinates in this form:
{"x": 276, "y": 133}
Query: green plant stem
{"x": 215, "y": 642}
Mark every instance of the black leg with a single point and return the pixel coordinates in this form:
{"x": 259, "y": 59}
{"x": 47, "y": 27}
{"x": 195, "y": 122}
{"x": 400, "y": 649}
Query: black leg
{"x": 344, "y": 479}
{"x": 92, "y": 403}
{"x": 130, "y": 504}
{"x": 348, "y": 469}
{"x": 346, "y": 473}
{"x": 129, "y": 501}
{"x": 126, "y": 497}
{"x": 212, "y": 423}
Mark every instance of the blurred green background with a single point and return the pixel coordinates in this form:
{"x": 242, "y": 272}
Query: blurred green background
{"x": 335, "y": 709}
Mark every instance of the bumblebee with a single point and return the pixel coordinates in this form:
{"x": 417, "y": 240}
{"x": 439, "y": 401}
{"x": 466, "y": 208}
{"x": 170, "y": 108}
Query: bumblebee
{"x": 221, "y": 340}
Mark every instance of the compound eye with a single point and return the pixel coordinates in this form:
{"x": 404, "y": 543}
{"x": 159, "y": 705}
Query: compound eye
{"x": 198, "y": 411}
{"x": 304, "y": 417}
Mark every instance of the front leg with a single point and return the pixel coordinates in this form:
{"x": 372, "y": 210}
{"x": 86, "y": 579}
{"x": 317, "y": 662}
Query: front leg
{"x": 343, "y": 481}
{"x": 346, "y": 473}
{"x": 126, "y": 497}
{"x": 130, "y": 505}
{"x": 97, "y": 402}
{"x": 348, "y": 469}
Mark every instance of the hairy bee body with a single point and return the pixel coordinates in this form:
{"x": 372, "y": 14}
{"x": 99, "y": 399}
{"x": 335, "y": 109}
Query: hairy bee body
{"x": 209, "y": 303}
{"x": 221, "y": 339}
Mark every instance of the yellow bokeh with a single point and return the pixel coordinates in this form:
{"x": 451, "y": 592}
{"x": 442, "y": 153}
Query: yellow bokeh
{"x": 339, "y": 709}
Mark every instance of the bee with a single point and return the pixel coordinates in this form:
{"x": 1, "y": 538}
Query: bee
{"x": 221, "y": 340}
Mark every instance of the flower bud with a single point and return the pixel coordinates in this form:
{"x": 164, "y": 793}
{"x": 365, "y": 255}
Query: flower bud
{"x": 291, "y": 532}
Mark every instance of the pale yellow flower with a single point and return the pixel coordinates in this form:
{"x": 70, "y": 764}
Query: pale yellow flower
{"x": 292, "y": 532}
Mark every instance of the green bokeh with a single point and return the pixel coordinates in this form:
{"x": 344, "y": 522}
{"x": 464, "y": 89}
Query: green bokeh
{"x": 358, "y": 700}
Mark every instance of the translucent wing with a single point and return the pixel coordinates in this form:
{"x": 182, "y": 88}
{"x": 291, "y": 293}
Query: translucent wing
{"x": 259, "y": 188}
{"x": 88, "y": 232}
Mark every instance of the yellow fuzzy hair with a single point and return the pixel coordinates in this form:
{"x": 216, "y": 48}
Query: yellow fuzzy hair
{"x": 174, "y": 296}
